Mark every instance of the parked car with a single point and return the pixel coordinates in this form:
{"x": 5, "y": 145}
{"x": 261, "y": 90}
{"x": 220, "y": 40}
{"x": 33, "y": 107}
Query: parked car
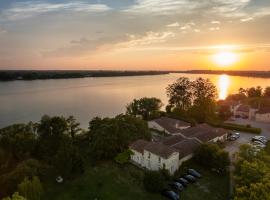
{"x": 176, "y": 186}
{"x": 170, "y": 194}
{"x": 259, "y": 143}
{"x": 183, "y": 181}
{"x": 263, "y": 141}
{"x": 236, "y": 134}
{"x": 190, "y": 178}
{"x": 232, "y": 138}
{"x": 260, "y": 138}
{"x": 194, "y": 173}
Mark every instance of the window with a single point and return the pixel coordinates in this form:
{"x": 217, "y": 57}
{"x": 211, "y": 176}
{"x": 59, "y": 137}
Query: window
{"x": 149, "y": 155}
{"x": 159, "y": 159}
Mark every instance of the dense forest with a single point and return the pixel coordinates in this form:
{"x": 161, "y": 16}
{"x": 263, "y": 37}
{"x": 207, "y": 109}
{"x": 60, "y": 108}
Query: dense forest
{"x": 9, "y": 75}
{"x": 259, "y": 74}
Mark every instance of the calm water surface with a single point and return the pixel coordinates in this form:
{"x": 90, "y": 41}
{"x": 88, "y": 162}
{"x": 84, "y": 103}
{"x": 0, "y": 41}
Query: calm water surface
{"x": 23, "y": 101}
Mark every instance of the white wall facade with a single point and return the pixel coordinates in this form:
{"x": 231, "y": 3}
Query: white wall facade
{"x": 263, "y": 117}
{"x": 154, "y": 162}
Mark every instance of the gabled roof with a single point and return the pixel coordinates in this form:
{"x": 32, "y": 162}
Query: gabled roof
{"x": 263, "y": 110}
{"x": 160, "y": 149}
{"x": 139, "y": 145}
{"x": 153, "y": 147}
{"x": 171, "y": 125}
{"x": 184, "y": 146}
{"x": 203, "y": 132}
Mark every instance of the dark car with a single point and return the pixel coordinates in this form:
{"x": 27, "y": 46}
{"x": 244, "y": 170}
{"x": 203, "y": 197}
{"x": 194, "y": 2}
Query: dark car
{"x": 194, "y": 173}
{"x": 183, "y": 181}
{"x": 177, "y": 186}
{"x": 170, "y": 194}
{"x": 190, "y": 178}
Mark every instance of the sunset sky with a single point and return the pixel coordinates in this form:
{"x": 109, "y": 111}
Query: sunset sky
{"x": 135, "y": 34}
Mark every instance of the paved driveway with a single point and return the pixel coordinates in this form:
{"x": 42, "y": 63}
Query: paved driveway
{"x": 233, "y": 146}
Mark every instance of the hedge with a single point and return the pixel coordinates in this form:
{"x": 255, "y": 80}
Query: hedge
{"x": 238, "y": 127}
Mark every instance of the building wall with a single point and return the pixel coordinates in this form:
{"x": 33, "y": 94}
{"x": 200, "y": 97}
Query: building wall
{"x": 263, "y": 117}
{"x": 137, "y": 157}
{"x": 154, "y": 162}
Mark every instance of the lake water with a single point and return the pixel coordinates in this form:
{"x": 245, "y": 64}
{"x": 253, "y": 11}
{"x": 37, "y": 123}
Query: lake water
{"x": 85, "y": 98}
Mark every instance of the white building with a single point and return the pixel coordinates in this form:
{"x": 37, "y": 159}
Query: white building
{"x": 168, "y": 154}
{"x": 263, "y": 115}
{"x": 154, "y": 156}
{"x": 169, "y": 125}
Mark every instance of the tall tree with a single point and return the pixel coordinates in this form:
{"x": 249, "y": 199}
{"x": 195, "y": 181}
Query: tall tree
{"x": 110, "y": 136}
{"x": 73, "y": 126}
{"x": 146, "y": 107}
{"x": 266, "y": 92}
{"x": 180, "y": 93}
{"x": 204, "y": 99}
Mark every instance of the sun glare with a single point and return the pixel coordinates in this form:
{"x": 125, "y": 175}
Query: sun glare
{"x": 225, "y": 58}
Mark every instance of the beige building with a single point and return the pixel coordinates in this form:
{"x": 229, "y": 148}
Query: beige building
{"x": 263, "y": 115}
{"x": 169, "y": 125}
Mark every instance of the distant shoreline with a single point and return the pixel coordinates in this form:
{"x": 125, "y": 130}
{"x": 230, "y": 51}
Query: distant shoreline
{"x": 13, "y": 75}
{"x": 255, "y": 74}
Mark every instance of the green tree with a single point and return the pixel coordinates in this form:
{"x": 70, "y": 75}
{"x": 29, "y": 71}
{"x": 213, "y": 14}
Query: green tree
{"x": 19, "y": 140}
{"x": 146, "y": 107}
{"x": 50, "y": 131}
{"x": 254, "y": 92}
{"x": 31, "y": 189}
{"x": 110, "y": 136}
{"x": 266, "y": 92}
{"x": 68, "y": 160}
{"x": 123, "y": 157}
{"x": 27, "y": 168}
{"x": 180, "y": 93}
{"x": 15, "y": 196}
{"x": 73, "y": 127}
{"x": 212, "y": 156}
{"x": 154, "y": 181}
{"x": 204, "y": 100}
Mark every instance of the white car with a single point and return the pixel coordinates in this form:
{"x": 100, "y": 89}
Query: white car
{"x": 259, "y": 143}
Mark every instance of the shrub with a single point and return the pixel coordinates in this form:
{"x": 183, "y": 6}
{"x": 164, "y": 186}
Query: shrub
{"x": 238, "y": 127}
{"x": 212, "y": 156}
{"x": 124, "y": 157}
{"x": 153, "y": 181}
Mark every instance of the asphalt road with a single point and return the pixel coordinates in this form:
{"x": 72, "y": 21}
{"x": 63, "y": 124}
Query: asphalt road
{"x": 233, "y": 146}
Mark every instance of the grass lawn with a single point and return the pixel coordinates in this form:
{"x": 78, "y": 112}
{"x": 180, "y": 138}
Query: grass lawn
{"x": 210, "y": 187}
{"x": 108, "y": 181}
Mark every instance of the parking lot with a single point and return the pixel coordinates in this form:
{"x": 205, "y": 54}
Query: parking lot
{"x": 233, "y": 146}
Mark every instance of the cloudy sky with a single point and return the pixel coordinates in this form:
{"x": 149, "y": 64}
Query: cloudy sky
{"x": 133, "y": 34}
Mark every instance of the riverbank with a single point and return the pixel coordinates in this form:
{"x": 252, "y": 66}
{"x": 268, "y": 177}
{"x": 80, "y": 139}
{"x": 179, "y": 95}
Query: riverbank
{"x": 12, "y": 75}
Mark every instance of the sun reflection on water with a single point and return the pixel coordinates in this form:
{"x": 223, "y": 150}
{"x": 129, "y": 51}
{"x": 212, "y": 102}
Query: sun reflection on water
{"x": 223, "y": 86}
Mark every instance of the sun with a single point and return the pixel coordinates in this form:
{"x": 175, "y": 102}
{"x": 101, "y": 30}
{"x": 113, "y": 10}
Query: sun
{"x": 225, "y": 58}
